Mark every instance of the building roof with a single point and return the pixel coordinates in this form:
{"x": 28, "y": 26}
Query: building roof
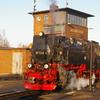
{"x": 69, "y": 10}
{"x": 11, "y": 48}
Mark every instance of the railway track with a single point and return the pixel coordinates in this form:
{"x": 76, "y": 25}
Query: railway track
{"x": 24, "y": 95}
{"x": 33, "y": 95}
{"x": 18, "y": 94}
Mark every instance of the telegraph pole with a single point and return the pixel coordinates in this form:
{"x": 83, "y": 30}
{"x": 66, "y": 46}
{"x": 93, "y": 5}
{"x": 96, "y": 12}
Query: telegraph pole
{"x": 91, "y": 65}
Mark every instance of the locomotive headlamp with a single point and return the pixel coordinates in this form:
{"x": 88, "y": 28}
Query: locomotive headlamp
{"x": 60, "y": 52}
{"x": 46, "y": 66}
{"x": 71, "y": 40}
{"x": 41, "y": 33}
{"x": 29, "y": 65}
{"x": 78, "y": 42}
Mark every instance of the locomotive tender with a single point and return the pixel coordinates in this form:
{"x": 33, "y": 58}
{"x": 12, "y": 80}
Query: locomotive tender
{"x": 52, "y": 57}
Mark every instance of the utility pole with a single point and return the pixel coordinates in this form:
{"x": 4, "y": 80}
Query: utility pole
{"x": 34, "y": 6}
{"x": 91, "y": 65}
{"x": 34, "y": 9}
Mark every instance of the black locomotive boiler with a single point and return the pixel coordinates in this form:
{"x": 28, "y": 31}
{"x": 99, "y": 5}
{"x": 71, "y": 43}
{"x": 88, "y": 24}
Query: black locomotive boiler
{"x": 52, "y": 57}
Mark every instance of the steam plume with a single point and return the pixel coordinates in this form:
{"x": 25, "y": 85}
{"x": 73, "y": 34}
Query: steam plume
{"x": 53, "y": 1}
{"x": 79, "y": 83}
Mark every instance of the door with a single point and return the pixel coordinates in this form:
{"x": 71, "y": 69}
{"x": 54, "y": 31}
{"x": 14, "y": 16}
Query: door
{"x": 17, "y": 63}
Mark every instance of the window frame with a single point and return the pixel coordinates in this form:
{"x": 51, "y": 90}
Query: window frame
{"x": 46, "y": 19}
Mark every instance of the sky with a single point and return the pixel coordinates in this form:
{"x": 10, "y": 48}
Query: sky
{"x": 18, "y": 24}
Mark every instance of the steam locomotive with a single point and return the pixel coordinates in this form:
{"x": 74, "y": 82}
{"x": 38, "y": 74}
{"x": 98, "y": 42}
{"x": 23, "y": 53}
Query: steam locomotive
{"x": 53, "y": 57}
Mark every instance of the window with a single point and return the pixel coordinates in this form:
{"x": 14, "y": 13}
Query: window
{"x": 82, "y": 21}
{"x": 72, "y": 19}
{"x": 77, "y": 20}
{"x": 68, "y": 18}
{"x": 85, "y": 22}
{"x": 46, "y": 19}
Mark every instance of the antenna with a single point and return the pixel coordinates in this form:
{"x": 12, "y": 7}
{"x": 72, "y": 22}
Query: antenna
{"x": 34, "y": 5}
{"x": 66, "y": 3}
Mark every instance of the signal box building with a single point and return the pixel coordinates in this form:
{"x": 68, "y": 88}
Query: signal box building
{"x": 64, "y": 21}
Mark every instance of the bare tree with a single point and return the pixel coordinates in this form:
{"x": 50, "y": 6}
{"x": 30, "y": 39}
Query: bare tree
{"x": 3, "y": 40}
{"x": 20, "y": 45}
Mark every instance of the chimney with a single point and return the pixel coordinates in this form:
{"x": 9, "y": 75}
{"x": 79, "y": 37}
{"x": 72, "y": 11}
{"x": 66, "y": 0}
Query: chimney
{"x": 53, "y": 7}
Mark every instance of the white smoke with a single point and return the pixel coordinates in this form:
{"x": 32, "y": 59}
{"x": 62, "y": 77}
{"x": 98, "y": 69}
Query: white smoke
{"x": 78, "y": 83}
{"x": 56, "y": 16}
{"x": 53, "y": 1}
{"x": 81, "y": 83}
{"x": 52, "y": 13}
{"x": 72, "y": 80}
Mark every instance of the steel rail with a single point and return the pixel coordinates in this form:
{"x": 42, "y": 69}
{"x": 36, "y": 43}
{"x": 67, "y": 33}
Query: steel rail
{"x": 18, "y": 94}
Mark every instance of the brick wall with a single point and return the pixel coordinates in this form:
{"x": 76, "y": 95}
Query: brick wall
{"x": 6, "y": 59}
{"x": 70, "y": 30}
